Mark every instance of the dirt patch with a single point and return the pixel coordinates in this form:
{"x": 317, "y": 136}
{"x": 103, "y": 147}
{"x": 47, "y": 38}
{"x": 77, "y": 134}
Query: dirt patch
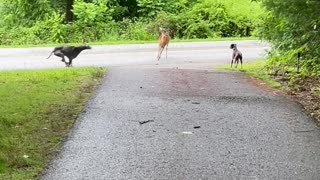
{"x": 307, "y": 92}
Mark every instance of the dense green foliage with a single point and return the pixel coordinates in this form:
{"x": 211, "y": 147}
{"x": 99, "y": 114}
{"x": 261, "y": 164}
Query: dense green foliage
{"x": 43, "y": 21}
{"x": 292, "y": 26}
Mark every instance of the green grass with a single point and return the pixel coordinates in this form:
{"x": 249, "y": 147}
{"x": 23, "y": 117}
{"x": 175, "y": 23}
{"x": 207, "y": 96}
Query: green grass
{"x": 255, "y": 69}
{"x": 135, "y": 42}
{"x": 37, "y": 110}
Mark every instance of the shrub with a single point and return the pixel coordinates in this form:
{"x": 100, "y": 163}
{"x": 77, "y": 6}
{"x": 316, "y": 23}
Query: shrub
{"x": 136, "y": 31}
{"x": 210, "y": 18}
{"x": 167, "y": 21}
{"x": 100, "y": 20}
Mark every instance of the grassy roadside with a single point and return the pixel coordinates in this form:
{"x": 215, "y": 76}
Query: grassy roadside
{"x": 37, "y": 110}
{"x": 255, "y": 69}
{"x": 133, "y": 42}
{"x": 303, "y": 89}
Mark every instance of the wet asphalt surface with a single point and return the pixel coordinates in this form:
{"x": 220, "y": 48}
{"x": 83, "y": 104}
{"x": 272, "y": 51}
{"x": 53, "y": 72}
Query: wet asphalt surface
{"x": 181, "y": 120}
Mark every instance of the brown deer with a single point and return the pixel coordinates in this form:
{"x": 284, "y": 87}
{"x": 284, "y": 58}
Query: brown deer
{"x": 163, "y": 39}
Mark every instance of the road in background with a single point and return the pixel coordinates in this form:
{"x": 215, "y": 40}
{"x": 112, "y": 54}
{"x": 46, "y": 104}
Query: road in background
{"x": 206, "y": 53}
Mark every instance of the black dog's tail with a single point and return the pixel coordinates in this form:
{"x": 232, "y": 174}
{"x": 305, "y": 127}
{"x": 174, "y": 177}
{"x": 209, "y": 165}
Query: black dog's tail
{"x": 50, "y": 55}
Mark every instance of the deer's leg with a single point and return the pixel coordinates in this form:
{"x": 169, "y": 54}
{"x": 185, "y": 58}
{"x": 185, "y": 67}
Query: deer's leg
{"x": 166, "y": 52}
{"x": 160, "y": 52}
{"x": 231, "y": 62}
{"x": 241, "y": 62}
{"x": 158, "y": 56}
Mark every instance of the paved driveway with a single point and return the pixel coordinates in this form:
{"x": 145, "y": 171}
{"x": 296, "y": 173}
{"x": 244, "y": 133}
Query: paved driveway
{"x": 181, "y": 120}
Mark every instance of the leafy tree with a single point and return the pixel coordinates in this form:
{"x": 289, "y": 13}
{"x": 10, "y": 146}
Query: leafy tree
{"x": 24, "y": 12}
{"x": 131, "y": 8}
{"x": 63, "y": 21}
{"x": 150, "y": 8}
{"x": 293, "y": 25}
{"x": 211, "y": 18}
{"x": 69, "y": 13}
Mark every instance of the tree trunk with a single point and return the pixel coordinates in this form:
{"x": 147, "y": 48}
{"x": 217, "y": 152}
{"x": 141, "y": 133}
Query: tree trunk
{"x": 69, "y": 13}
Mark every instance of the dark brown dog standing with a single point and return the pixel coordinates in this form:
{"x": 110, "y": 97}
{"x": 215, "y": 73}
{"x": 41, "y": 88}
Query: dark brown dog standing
{"x": 236, "y": 55}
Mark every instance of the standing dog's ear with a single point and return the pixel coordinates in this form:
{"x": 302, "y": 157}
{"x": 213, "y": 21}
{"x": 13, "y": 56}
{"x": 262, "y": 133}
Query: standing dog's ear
{"x": 232, "y": 46}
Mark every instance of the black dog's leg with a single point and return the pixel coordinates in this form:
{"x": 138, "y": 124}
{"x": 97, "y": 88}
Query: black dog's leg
{"x": 65, "y": 62}
{"x": 70, "y": 62}
{"x": 60, "y": 54}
